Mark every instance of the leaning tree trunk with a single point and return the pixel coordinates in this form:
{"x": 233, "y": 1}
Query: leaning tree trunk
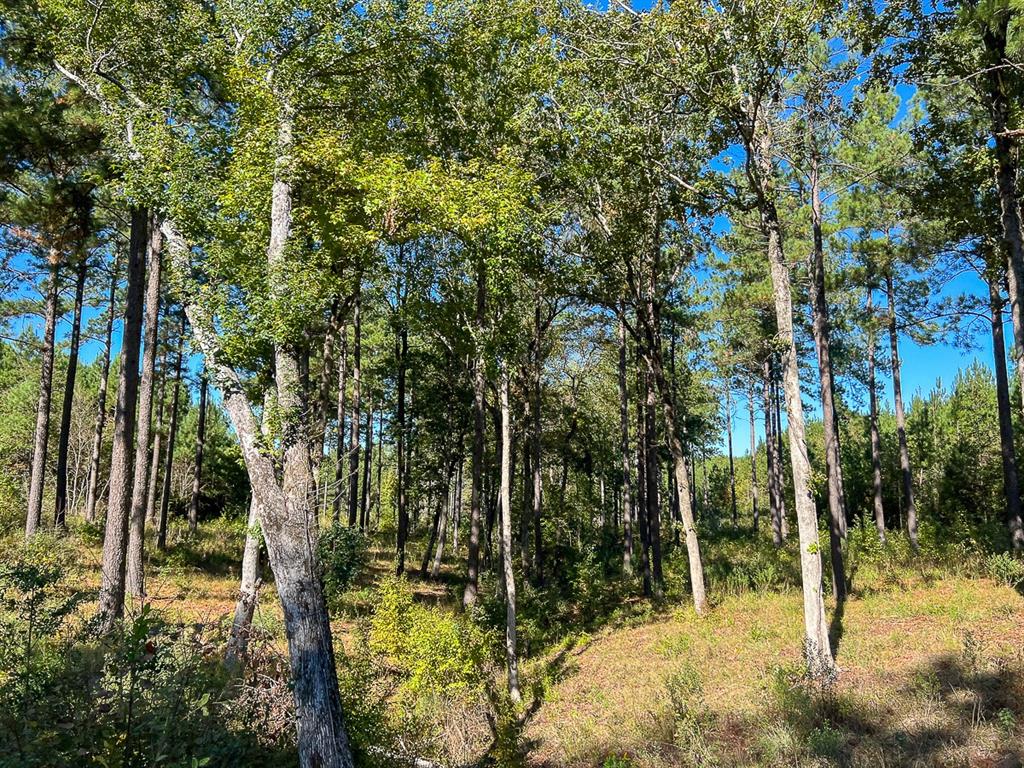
{"x": 115, "y": 539}
{"x": 42, "y": 433}
{"x": 511, "y": 657}
{"x": 753, "y": 457}
{"x": 876, "y": 439}
{"x": 627, "y": 481}
{"x": 172, "y": 436}
{"x": 101, "y": 402}
{"x": 817, "y": 648}
{"x": 822, "y": 342}
{"x": 353, "y": 445}
{"x": 197, "y": 472}
{"x": 1011, "y": 482}
{"x": 140, "y": 480}
{"x": 469, "y": 595}
{"x": 60, "y": 514}
{"x": 901, "y": 419}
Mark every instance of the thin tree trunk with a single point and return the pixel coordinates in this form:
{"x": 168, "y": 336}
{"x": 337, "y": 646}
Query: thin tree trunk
{"x": 140, "y": 478}
{"x": 101, "y": 401}
{"x": 115, "y": 539}
{"x": 197, "y": 475}
{"x": 155, "y": 457}
{"x": 339, "y": 466}
{"x": 901, "y": 420}
{"x": 772, "y": 452}
{"x": 1011, "y": 482}
{"x": 364, "y": 500}
{"x": 469, "y": 595}
{"x": 42, "y": 433}
{"x": 446, "y": 513}
{"x": 627, "y": 480}
{"x": 380, "y": 456}
{"x": 60, "y": 514}
{"x": 653, "y": 477}
{"x": 732, "y": 463}
{"x": 817, "y": 648}
{"x": 753, "y": 458}
{"x": 506, "y": 539}
{"x": 172, "y": 436}
{"x": 876, "y": 440}
{"x": 780, "y": 470}
{"x": 353, "y": 445}
{"x": 643, "y": 506}
{"x": 402, "y": 344}
{"x": 822, "y": 342}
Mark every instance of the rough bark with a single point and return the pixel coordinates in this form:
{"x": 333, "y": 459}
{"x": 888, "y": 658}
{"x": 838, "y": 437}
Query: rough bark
{"x": 876, "y": 439}
{"x": 1011, "y": 482}
{"x": 627, "y": 480}
{"x": 115, "y": 539}
{"x": 172, "y": 436}
{"x": 140, "y": 478}
{"x": 101, "y": 402}
{"x": 906, "y": 476}
{"x": 822, "y": 342}
{"x": 511, "y": 657}
{"x": 771, "y": 446}
{"x": 64, "y": 440}
{"x": 197, "y": 472}
{"x": 40, "y": 443}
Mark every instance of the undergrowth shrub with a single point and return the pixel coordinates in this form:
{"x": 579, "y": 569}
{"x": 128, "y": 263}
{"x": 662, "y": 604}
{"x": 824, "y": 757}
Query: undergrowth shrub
{"x": 1006, "y": 569}
{"x": 343, "y": 553}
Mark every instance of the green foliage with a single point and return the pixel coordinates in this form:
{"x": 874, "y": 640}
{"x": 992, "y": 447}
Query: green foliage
{"x": 1006, "y": 569}
{"x": 343, "y": 554}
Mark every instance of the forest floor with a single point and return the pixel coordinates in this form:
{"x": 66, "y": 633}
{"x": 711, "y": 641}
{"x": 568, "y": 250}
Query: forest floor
{"x": 931, "y": 672}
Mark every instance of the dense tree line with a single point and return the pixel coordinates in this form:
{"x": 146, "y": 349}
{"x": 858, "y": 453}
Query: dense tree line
{"x": 496, "y": 280}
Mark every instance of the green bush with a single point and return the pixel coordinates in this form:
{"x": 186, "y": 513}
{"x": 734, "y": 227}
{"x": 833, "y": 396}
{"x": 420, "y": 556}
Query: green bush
{"x": 1006, "y": 569}
{"x": 343, "y": 554}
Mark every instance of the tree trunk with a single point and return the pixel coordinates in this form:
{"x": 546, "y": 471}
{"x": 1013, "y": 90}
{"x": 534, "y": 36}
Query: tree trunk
{"x": 339, "y": 466}
{"x": 155, "y": 457}
{"x": 627, "y": 480}
{"x": 364, "y": 497}
{"x": 172, "y": 436}
{"x": 822, "y": 342}
{"x": 115, "y": 539}
{"x": 901, "y": 420}
{"x": 60, "y": 514}
{"x": 653, "y": 477}
{"x": 536, "y": 458}
{"x": 469, "y": 595}
{"x": 506, "y": 539}
{"x": 140, "y": 478}
{"x": 442, "y": 532}
{"x": 753, "y": 458}
{"x": 101, "y": 401}
{"x": 42, "y": 433}
{"x": 1011, "y": 482}
{"x": 197, "y": 475}
{"x": 732, "y": 464}
{"x": 643, "y": 505}
{"x": 402, "y": 348}
{"x": 817, "y": 648}
{"x": 876, "y": 440}
{"x": 354, "y": 421}
{"x": 772, "y": 451}
{"x": 780, "y": 470}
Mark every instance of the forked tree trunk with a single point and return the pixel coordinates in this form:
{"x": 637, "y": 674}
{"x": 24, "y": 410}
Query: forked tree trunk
{"x": 511, "y": 658}
{"x": 876, "y": 440}
{"x": 627, "y": 480}
{"x": 901, "y": 420}
{"x": 197, "y": 471}
{"x": 115, "y": 539}
{"x": 822, "y": 342}
{"x": 172, "y": 436}
{"x": 469, "y": 595}
{"x": 140, "y": 479}
{"x": 60, "y": 513}
{"x": 42, "y": 433}
{"x": 1011, "y": 482}
{"x": 817, "y": 648}
{"x": 101, "y": 401}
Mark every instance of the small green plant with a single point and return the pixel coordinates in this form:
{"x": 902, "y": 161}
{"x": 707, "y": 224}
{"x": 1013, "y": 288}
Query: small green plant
{"x": 617, "y": 761}
{"x": 343, "y": 554}
{"x": 826, "y": 741}
{"x": 1006, "y": 569}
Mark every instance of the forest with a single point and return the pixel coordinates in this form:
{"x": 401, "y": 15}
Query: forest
{"x": 463, "y": 383}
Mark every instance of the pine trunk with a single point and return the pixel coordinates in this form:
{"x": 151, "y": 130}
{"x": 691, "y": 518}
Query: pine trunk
{"x": 901, "y": 420}
{"x": 101, "y": 402}
{"x": 1011, "y": 482}
{"x": 60, "y": 513}
{"x": 876, "y": 439}
{"x": 197, "y": 472}
{"x": 172, "y": 436}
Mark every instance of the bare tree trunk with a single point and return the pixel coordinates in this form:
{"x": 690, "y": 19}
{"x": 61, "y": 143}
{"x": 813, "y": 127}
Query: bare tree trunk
{"x": 653, "y": 477}
{"x": 115, "y": 539}
{"x": 506, "y": 539}
{"x": 353, "y": 445}
{"x": 154, "y": 456}
{"x": 339, "y": 466}
{"x": 140, "y": 479}
{"x": 197, "y": 476}
{"x": 901, "y": 420}
{"x": 643, "y": 505}
{"x": 536, "y": 458}
{"x": 380, "y": 456}
{"x": 817, "y": 648}
{"x": 42, "y": 433}
{"x": 442, "y": 532}
{"x": 101, "y": 403}
{"x": 780, "y": 470}
{"x": 753, "y": 457}
{"x": 172, "y": 436}
{"x": 876, "y": 440}
{"x": 402, "y": 348}
{"x": 822, "y": 342}
{"x": 732, "y": 464}
{"x": 1011, "y": 482}
{"x": 627, "y": 480}
{"x": 364, "y": 500}
{"x": 469, "y": 595}
{"x": 60, "y": 514}
{"x": 774, "y": 460}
